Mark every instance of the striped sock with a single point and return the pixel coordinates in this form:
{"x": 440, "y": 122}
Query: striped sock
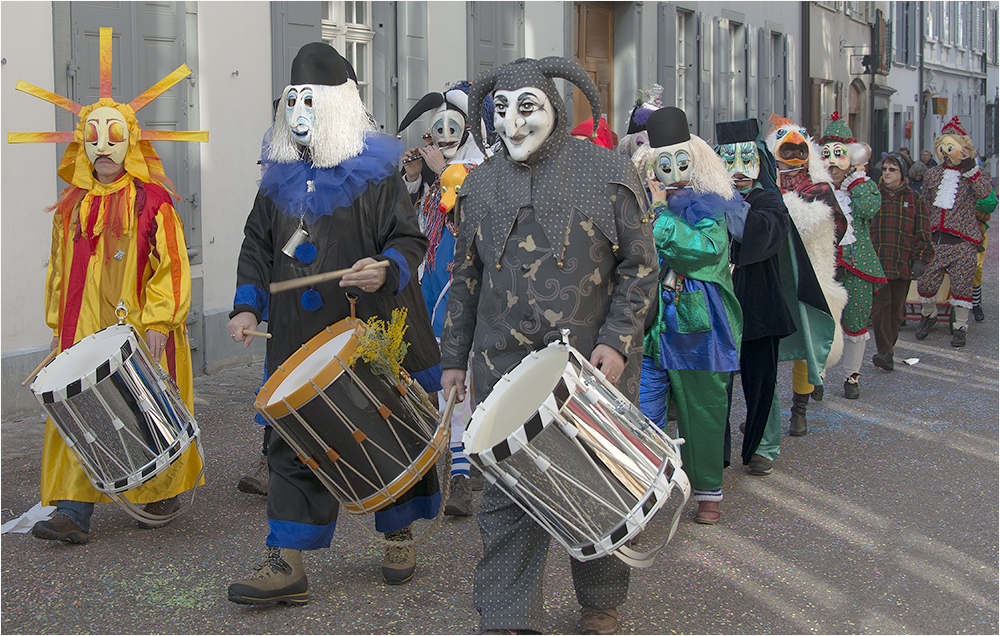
{"x": 977, "y": 295}
{"x": 459, "y": 462}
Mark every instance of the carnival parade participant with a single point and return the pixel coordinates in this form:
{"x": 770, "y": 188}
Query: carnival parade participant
{"x": 859, "y": 200}
{"x": 635, "y": 137}
{"x": 604, "y": 134}
{"x": 115, "y": 237}
{"x": 984, "y": 210}
{"x": 807, "y": 191}
{"x": 552, "y": 235}
{"x": 330, "y": 183}
{"x": 951, "y": 192}
{"x": 693, "y": 346}
{"x": 452, "y": 144}
{"x": 901, "y": 236}
{"x": 755, "y": 252}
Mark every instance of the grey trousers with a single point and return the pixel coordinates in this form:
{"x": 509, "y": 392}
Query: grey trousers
{"x": 508, "y": 583}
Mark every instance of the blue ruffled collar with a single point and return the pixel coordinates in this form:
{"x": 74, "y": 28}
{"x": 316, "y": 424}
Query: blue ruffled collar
{"x": 287, "y": 183}
{"x": 693, "y": 207}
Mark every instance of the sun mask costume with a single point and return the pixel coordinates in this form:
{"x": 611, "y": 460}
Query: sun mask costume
{"x": 116, "y": 241}
{"x": 330, "y": 196}
{"x": 552, "y": 235}
{"x": 951, "y": 192}
{"x": 859, "y": 200}
{"x": 693, "y": 345}
{"x": 450, "y": 129}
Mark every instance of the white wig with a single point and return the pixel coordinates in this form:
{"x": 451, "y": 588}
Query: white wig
{"x": 341, "y": 123}
{"x": 709, "y": 174}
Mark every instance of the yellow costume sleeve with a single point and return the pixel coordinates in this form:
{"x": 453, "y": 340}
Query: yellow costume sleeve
{"x": 54, "y": 276}
{"x": 168, "y": 290}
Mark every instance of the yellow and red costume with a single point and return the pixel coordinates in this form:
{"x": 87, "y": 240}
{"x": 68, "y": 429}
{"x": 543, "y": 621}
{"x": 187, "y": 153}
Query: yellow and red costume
{"x": 114, "y": 242}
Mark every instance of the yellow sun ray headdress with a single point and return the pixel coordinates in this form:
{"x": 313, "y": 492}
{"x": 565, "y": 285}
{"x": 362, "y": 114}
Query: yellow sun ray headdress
{"x": 141, "y": 161}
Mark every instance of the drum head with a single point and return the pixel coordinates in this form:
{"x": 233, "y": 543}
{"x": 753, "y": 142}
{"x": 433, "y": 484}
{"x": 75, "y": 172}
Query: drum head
{"x": 84, "y": 358}
{"x": 315, "y": 360}
{"x": 517, "y": 397}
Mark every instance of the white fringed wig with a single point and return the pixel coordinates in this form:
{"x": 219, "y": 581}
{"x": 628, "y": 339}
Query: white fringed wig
{"x": 340, "y": 119}
{"x": 341, "y": 123}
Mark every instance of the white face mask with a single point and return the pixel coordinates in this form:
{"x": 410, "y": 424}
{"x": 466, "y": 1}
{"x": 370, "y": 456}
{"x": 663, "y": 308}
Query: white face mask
{"x": 447, "y": 129}
{"x": 741, "y": 160}
{"x": 674, "y": 165}
{"x": 299, "y": 113}
{"x": 524, "y": 119}
{"x": 106, "y": 135}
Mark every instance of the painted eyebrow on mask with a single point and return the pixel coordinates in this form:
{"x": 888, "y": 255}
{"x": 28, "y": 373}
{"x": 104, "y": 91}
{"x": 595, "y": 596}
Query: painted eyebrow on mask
{"x": 523, "y": 97}
{"x": 500, "y": 99}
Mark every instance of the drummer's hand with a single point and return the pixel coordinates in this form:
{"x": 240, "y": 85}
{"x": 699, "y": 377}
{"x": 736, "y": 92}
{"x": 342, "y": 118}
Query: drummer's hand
{"x": 367, "y": 281}
{"x": 609, "y": 361}
{"x": 156, "y": 342}
{"x": 241, "y": 321}
{"x": 433, "y": 158}
{"x": 453, "y": 378}
{"x": 54, "y": 343}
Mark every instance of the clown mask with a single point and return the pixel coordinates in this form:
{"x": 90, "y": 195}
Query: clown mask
{"x": 299, "y": 113}
{"x": 673, "y": 165}
{"x": 949, "y": 151}
{"x": 106, "y": 136}
{"x": 447, "y": 131}
{"x": 524, "y": 119}
{"x": 834, "y": 155}
{"x": 742, "y": 162}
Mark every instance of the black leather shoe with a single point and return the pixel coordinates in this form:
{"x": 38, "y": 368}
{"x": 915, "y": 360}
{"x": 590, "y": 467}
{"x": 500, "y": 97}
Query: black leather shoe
{"x": 817, "y": 393}
{"x": 852, "y": 387}
{"x": 977, "y": 313}
{"x": 759, "y": 466}
{"x": 958, "y": 340}
{"x": 924, "y": 328}
{"x": 883, "y": 361}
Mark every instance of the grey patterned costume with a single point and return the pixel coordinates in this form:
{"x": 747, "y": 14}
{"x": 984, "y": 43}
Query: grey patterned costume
{"x": 559, "y": 241}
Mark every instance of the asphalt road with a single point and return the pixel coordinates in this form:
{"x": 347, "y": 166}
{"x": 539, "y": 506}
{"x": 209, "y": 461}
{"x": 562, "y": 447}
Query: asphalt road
{"x": 883, "y": 519}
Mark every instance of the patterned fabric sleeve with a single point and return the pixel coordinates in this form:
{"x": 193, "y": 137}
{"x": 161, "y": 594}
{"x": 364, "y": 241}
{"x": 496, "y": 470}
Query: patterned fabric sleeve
{"x": 463, "y": 302}
{"x": 168, "y": 289}
{"x": 635, "y": 277}
{"x": 923, "y": 250}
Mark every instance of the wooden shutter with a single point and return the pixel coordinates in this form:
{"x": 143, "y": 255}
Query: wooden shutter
{"x": 666, "y": 39}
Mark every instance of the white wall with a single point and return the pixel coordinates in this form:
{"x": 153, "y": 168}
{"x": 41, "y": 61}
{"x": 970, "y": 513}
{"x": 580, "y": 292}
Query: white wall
{"x": 236, "y": 110}
{"x": 447, "y": 49}
{"x": 544, "y": 31}
{"x": 27, "y": 173}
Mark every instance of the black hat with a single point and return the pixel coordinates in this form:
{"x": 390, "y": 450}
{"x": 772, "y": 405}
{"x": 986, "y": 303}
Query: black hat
{"x": 734, "y": 132}
{"x": 666, "y": 127}
{"x": 319, "y": 63}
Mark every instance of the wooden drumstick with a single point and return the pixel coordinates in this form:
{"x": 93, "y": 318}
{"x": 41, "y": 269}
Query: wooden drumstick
{"x": 38, "y": 369}
{"x": 306, "y": 281}
{"x": 259, "y": 334}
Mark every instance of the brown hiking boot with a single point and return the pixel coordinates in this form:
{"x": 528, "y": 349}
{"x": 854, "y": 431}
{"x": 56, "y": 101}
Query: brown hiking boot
{"x": 460, "y": 500}
{"x": 60, "y": 528}
{"x": 256, "y": 482}
{"x": 598, "y": 621}
{"x": 160, "y": 509}
{"x": 281, "y": 579}
{"x": 400, "y": 561}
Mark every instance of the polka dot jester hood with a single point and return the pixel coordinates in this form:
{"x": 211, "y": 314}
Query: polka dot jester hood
{"x": 563, "y": 174}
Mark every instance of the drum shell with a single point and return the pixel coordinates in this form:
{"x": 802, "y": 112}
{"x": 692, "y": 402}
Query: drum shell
{"x": 124, "y": 419}
{"x": 361, "y": 476}
{"x": 587, "y": 465}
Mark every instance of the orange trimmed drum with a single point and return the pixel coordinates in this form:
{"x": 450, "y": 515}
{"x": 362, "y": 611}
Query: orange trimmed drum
{"x": 366, "y": 439}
